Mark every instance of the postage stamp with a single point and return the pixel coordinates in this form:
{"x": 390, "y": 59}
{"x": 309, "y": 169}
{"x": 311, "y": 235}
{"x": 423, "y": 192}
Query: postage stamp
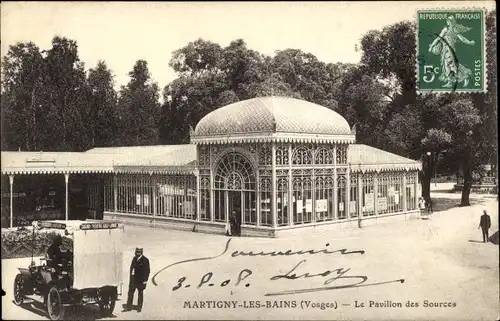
{"x": 451, "y": 50}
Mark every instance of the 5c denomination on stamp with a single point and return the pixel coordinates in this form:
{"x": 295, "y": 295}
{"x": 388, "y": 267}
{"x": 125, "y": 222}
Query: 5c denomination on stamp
{"x": 451, "y": 50}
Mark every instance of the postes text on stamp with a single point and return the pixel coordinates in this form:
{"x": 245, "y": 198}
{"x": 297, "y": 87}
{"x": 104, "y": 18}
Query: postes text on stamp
{"x": 451, "y": 50}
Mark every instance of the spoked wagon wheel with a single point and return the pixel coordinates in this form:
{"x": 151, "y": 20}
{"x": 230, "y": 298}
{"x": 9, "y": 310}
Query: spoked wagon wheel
{"x": 107, "y": 306}
{"x": 54, "y": 304}
{"x": 18, "y": 289}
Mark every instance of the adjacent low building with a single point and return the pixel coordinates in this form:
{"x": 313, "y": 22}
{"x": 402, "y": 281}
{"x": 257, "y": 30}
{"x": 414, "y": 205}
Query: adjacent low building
{"x": 278, "y": 163}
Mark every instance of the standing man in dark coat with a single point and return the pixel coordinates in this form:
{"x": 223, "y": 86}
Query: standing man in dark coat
{"x": 485, "y": 224}
{"x": 233, "y": 223}
{"x": 139, "y": 275}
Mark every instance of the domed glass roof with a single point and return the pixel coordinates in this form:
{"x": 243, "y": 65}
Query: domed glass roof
{"x": 266, "y": 115}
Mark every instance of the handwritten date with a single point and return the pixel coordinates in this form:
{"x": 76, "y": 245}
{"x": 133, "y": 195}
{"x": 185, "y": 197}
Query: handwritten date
{"x": 205, "y": 279}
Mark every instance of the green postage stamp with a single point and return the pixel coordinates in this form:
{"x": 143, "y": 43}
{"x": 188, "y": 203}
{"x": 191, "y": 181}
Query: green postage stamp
{"x": 451, "y": 50}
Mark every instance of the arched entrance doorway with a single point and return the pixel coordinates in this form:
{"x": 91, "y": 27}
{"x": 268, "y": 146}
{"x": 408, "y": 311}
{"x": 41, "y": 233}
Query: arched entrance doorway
{"x": 235, "y": 189}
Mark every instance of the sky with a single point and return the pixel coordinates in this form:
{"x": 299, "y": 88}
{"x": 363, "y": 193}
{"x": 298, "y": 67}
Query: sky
{"x": 121, "y": 33}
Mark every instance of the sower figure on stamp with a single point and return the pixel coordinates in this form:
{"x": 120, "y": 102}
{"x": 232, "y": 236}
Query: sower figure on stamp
{"x": 139, "y": 275}
{"x": 445, "y": 46}
{"x": 485, "y": 224}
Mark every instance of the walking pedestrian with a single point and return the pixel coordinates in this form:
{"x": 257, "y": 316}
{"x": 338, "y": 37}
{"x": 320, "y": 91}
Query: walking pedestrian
{"x": 428, "y": 205}
{"x": 485, "y": 224}
{"x": 421, "y": 205}
{"x": 139, "y": 275}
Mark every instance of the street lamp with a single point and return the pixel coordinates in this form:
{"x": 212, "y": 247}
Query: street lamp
{"x": 433, "y": 167}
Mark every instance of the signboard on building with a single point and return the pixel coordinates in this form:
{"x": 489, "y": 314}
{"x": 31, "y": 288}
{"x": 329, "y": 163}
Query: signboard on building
{"x": 369, "y": 202}
{"x": 396, "y": 197}
{"x": 390, "y": 191}
{"x": 138, "y": 199}
{"x": 146, "y": 200}
{"x": 352, "y": 207}
{"x": 309, "y": 205}
{"x": 382, "y": 204}
{"x": 172, "y": 190}
{"x": 300, "y": 206}
{"x": 321, "y": 205}
{"x": 14, "y": 195}
{"x": 189, "y": 207}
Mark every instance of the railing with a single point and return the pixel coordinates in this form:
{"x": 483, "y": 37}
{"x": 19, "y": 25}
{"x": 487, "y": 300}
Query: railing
{"x": 487, "y": 180}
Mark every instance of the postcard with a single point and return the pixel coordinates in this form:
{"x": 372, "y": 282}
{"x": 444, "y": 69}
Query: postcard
{"x": 249, "y": 161}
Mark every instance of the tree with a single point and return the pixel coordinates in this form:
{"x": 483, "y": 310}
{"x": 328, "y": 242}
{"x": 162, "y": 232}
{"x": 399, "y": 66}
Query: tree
{"x": 478, "y": 141}
{"x": 102, "y": 117}
{"x": 66, "y": 98}
{"x": 44, "y": 99}
{"x": 22, "y": 72}
{"x": 197, "y": 57}
{"x": 310, "y": 78}
{"x": 211, "y": 76}
{"x": 490, "y": 130}
{"x": 448, "y": 128}
{"x": 139, "y": 109}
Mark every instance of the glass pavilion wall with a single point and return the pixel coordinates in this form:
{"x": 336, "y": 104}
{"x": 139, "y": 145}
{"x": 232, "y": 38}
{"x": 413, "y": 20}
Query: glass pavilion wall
{"x": 274, "y": 185}
{"x": 159, "y": 195}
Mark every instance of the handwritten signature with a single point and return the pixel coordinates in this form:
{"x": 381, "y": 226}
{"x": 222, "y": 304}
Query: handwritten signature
{"x": 334, "y": 275}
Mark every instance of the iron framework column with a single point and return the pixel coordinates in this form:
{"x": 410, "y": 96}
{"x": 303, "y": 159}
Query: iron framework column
{"x": 348, "y": 192}
{"x": 198, "y": 196}
{"x": 11, "y": 183}
{"x": 290, "y": 185}
{"x": 335, "y": 189}
{"x": 360, "y": 194}
{"x": 115, "y": 193}
{"x": 416, "y": 189}
{"x": 155, "y": 197}
{"x": 66, "y": 181}
{"x": 274, "y": 198}
{"x": 403, "y": 190}
{"x": 375, "y": 192}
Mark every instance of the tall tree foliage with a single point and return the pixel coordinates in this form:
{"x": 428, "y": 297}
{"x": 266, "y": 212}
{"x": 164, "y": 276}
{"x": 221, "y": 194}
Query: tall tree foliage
{"x": 102, "y": 117}
{"x": 44, "y": 97}
{"x": 65, "y": 97}
{"x": 22, "y": 86}
{"x": 139, "y": 108}
{"x": 457, "y": 129}
{"x": 49, "y": 103}
{"x": 211, "y": 76}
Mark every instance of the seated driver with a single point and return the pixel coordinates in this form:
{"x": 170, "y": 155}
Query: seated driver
{"x": 55, "y": 255}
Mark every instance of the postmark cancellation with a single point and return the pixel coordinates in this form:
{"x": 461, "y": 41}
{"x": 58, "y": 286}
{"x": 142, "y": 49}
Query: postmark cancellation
{"x": 451, "y": 51}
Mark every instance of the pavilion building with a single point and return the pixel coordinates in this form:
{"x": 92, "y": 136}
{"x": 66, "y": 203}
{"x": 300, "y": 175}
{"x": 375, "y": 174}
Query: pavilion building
{"x": 279, "y": 163}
